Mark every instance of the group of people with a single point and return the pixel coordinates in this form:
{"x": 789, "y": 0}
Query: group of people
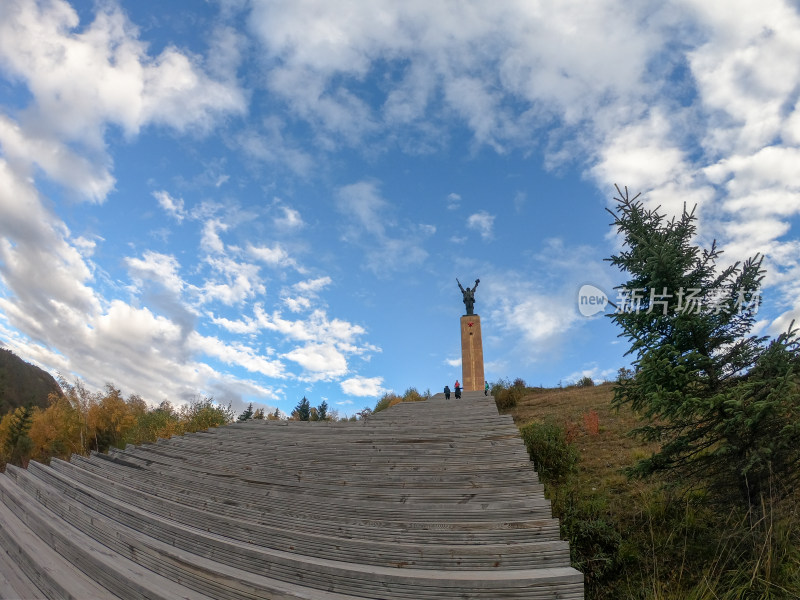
{"x": 457, "y": 387}
{"x": 447, "y": 391}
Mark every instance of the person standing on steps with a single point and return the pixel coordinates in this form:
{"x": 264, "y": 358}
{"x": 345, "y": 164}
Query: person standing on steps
{"x": 458, "y": 389}
{"x": 486, "y": 389}
{"x": 447, "y": 392}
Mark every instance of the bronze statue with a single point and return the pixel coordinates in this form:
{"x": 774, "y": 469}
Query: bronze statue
{"x": 469, "y": 295}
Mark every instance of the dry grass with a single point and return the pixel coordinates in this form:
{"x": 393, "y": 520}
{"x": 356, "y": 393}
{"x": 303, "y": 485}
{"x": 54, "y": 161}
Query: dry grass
{"x": 603, "y": 455}
{"x": 669, "y": 548}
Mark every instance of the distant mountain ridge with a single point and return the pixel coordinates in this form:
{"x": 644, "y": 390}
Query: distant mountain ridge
{"x": 22, "y": 383}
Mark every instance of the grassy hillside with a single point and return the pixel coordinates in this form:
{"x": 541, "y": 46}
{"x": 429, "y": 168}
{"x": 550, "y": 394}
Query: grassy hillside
{"x": 653, "y": 539}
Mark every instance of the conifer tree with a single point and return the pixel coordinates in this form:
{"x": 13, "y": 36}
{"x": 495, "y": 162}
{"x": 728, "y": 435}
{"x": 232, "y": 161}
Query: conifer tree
{"x": 303, "y": 410}
{"x": 322, "y": 411}
{"x": 722, "y": 402}
{"x": 18, "y": 444}
{"x": 247, "y": 414}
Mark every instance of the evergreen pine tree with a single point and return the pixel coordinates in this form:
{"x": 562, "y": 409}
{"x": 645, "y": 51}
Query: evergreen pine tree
{"x": 18, "y": 444}
{"x": 322, "y": 411}
{"x": 721, "y": 401}
{"x": 303, "y": 410}
{"x": 247, "y": 414}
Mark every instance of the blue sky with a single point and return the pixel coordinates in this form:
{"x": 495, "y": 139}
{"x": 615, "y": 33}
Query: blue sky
{"x": 257, "y": 200}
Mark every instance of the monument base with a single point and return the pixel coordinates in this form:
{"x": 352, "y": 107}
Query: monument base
{"x": 472, "y": 379}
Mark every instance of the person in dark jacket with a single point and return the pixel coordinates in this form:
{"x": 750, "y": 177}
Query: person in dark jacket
{"x": 447, "y": 392}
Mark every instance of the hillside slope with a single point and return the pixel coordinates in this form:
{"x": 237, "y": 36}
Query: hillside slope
{"x": 654, "y": 539}
{"x": 22, "y": 383}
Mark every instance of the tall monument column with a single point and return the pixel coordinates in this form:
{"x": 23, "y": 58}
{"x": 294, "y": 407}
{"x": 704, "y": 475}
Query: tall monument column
{"x": 472, "y": 378}
{"x": 471, "y": 354}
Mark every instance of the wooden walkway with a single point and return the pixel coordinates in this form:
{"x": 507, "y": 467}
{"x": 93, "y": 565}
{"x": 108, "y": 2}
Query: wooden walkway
{"x": 425, "y": 500}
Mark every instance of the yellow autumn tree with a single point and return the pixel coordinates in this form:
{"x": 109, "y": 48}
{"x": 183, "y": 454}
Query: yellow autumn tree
{"x": 110, "y": 421}
{"x": 56, "y": 430}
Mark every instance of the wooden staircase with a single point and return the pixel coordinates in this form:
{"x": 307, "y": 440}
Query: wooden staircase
{"x": 424, "y": 500}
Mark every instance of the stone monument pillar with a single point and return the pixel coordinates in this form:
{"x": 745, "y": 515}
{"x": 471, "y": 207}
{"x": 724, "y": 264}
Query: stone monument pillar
{"x": 471, "y": 343}
{"x": 472, "y": 379}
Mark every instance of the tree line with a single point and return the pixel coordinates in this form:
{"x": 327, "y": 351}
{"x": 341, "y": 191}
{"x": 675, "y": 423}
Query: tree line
{"x": 80, "y": 421}
{"x": 76, "y": 420}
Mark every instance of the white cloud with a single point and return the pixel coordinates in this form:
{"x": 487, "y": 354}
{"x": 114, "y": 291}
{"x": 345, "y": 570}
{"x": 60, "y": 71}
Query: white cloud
{"x": 92, "y": 180}
{"x": 538, "y": 309}
{"x": 290, "y": 219}
{"x": 297, "y": 304}
{"x": 270, "y": 145}
{"x": 595, "y": 373}
{"x": 363, "y": 386}
{"x": 236, "y": 354}
{"x": 240, "y": 327}
{"x": 84, "y": 246}
{"x": 641, "y": 155}
{"x": 363, "y": 202}
{"x": 63, "y": 323}
{"x": 173, "y": 207}
{"x": 154, "y": 266}
{"x": 453, "y": 362}
{"x": 309, "y": 289}
{"x": 276, "y": 256}
{"x": 661, "y": 97}
{"x": 82, "y": 80}
{"x": 482, "y": 222}
{"x": 322, "y": 361}
{"x": 453, "y": 201}
{"x": 312, "y": 285}
{"x": 316, "y": 328}
{"x": 387, "y": 247}
{"x": 235, "y": 282}
{"x": 562, "y": 58}
{"x": 324, "y": 344}
{"x": 211, "y": 241}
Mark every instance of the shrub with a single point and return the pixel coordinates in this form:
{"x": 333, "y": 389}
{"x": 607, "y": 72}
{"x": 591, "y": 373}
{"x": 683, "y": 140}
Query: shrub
{"x": 584, "y": 381}
{"x": 507, "y": 398}
{"x": 594, "y": 541}
{"x": 507, "y": 394}
{"x": 624, "y": 374}
{"x": 204, "y": 413}
{"x": 553, "y": 456}
{"x": 412, "y": 395}
{"x": 591, "y": 422}
{"x": 387, "y": 400}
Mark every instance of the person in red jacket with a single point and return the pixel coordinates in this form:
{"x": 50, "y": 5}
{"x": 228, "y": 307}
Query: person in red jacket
{"x": 458, "y": 389}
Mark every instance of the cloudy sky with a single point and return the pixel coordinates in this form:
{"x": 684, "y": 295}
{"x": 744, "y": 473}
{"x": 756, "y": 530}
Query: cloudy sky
{"x": 259, "y": 200}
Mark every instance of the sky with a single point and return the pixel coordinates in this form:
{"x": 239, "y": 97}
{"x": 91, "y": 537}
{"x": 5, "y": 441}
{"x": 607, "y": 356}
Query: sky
{"x": 257, "y": 201}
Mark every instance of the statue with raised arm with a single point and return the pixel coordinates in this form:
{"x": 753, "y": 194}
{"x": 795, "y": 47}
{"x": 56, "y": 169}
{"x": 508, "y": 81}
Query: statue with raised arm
{"x": 469, "y": 295}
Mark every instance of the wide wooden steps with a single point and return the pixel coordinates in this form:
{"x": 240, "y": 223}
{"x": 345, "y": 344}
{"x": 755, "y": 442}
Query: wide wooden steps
{"x": 424, "y": 500}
